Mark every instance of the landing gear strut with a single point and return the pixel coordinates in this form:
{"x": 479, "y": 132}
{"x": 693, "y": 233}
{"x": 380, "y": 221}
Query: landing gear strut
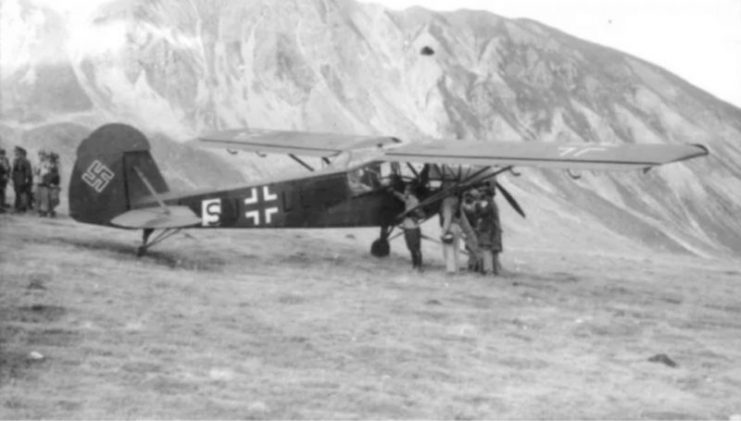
{"x": 145, "y": 236}
{"x": 381, "y": 247}
{"x": 161, "y": 236}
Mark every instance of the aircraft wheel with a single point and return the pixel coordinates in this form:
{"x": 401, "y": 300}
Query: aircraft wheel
{"x": 380, "y": 248}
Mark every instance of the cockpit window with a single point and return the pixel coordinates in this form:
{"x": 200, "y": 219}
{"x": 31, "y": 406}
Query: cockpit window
{"x": 362, "y": 180}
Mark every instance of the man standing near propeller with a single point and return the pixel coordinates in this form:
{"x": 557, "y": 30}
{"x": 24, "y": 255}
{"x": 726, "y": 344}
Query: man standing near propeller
{"x": 496, "y": 228}
{"x": 483, "y": 214}
{"x": 410, "y": 224}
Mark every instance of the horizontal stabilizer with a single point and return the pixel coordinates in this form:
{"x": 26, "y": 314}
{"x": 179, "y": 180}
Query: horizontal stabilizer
{"x": 157, "y": 218}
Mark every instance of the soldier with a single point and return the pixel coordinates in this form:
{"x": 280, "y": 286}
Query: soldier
{"x": 451, "y": 232}
{"x": 410, "y": 224}
{"x": 455, "y": 227}
{"x": 4, "y": 177}
{"x": 497, "y": 247}
{"x": 470, "y": 215}
{"x": 489, "y": 231}
{"x": 54, "y": 184}
{"x": 42, "y": 177}
{"x": 22, "y": 176}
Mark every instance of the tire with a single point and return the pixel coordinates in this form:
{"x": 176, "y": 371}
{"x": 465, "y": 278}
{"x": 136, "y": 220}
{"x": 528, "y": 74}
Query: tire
{"x": 380, "y": 248}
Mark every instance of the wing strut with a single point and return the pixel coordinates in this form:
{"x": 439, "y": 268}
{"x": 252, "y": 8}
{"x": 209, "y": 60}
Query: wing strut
{"x": 163, "y": 234}
{"x": 414, "y": 171}
{"x": 300, "y": 161}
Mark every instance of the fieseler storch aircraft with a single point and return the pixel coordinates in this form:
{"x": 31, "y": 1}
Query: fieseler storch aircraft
{"x": 115, "y": 181}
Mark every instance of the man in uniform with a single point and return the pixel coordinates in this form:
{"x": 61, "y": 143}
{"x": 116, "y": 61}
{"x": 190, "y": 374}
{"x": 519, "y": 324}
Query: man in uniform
{"x": 22, "y": 176}
{"x": 451, "y": 232}
{"x": 454, "y": 227}
{"x": 42, "y": 176}
{"x": 469, "y": 214}
{"x": 4, "y": 177}
{"x": 480, "y": 210}
{"x": 488, "y": 230}
{"x": 54, "y": 184}
{"x": 410, "y": 224}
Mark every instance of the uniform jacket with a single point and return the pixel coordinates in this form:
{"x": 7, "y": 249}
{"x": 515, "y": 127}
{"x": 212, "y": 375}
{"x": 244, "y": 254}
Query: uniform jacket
{"x": 4, "y": 170}
{"x": 22, "y": 174}
{"x": 487, "y": 225}
{"x": 48, "y": 174}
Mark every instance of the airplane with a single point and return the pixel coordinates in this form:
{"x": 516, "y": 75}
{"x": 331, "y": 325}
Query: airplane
{"x": 115, "y": 181}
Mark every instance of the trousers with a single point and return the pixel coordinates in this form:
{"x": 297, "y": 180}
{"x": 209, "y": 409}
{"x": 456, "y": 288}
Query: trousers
{"x": 43, "y": 199}
{"x": 21, "y": 198}
{"x": 451, "y": 251}
{"x": 413, "y": 238}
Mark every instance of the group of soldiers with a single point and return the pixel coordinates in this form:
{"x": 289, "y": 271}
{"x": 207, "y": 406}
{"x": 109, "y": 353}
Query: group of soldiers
{"x": 36, "y": 188}
{"x": 471, "y": 218}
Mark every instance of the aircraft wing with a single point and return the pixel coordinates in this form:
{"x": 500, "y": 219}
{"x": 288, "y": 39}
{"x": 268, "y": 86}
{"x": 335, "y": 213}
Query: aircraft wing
{"x": 583, "y": 156}
{"x": 292, "y": 142}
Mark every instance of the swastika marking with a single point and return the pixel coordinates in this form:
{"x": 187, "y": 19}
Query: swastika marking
{"x": 98, "y": 176}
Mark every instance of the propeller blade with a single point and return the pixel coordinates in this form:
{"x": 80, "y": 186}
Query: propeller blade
{"x": 510, "y": 199}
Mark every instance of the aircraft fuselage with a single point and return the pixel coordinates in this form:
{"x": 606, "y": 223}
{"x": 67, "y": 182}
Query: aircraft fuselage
{"x": 321, "y": 200}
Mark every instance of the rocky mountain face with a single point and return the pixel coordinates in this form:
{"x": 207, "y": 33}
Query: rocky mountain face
{"x": 176, "y": 68}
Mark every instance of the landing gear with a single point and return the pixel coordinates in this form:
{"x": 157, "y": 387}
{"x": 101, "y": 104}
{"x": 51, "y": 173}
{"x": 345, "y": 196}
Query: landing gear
{"x": 381, "y": 247}
{"x": 141, "y": 250}
{"x": 161, "y": 236}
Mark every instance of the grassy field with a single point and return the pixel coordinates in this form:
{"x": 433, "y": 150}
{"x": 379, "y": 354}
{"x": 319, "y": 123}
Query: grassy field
{"x": 305, "y": 324}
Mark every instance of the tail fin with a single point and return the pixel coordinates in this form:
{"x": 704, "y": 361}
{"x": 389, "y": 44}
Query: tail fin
{"x": 105, "y": 182}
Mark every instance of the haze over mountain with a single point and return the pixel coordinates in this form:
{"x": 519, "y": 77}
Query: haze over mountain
{"x": 178, "y": 68}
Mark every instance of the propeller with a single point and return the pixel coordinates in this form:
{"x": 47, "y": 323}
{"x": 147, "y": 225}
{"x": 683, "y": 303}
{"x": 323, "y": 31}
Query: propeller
{"x": 510, "y": 199}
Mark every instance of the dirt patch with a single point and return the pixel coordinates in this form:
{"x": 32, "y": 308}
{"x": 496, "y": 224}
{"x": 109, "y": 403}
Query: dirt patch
{"x": 169, "y": 386}
{"x": 669, "y": 416}
{"x": 52, "y": 337}
{"x": 203, "y": 261}
{"x": 22, "y": 333}
{"x": 36, "y": 313}
{"x": 16, "y": 364}
{"x": 291, "y": 299}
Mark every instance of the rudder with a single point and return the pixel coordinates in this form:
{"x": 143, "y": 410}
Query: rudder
{"x": 107, "y": 177}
